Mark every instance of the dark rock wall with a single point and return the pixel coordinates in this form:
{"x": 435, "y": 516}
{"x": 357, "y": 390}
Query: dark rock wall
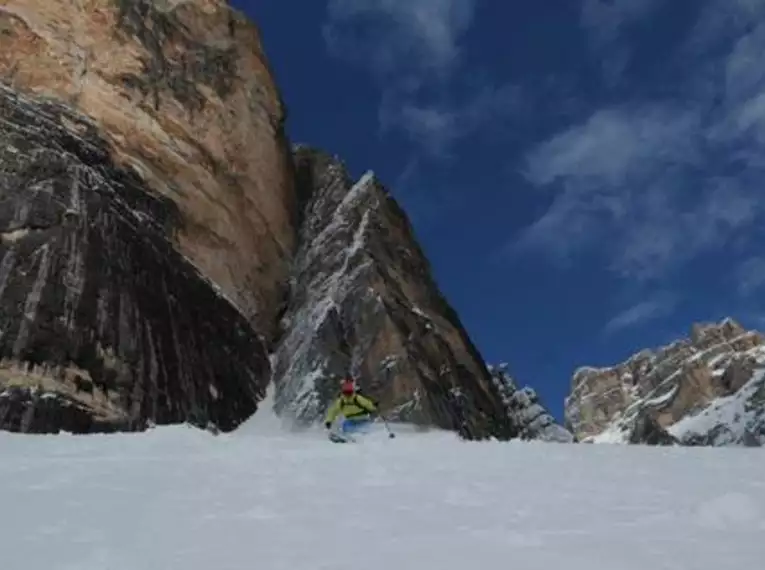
{"x": 98, "y": 311}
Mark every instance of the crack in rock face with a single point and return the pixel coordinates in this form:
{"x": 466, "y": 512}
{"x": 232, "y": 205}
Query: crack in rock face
{"x": 104, "y": 325}
{"x": 198, "y": 64}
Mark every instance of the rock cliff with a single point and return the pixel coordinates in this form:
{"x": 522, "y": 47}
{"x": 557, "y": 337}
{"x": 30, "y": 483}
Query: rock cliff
{"x": 160, "y": 237}
{"x": 146, "y": 186}
{"x": 362, "y": 300}
{"x": 708, "y": 389}
{"x": 103, "y": 324}
{"x": 182, "y": 92}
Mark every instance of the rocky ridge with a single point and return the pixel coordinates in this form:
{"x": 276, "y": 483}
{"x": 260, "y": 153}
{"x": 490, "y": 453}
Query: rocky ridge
{"x": 708, "y": 389}
{"x": 524, "y": 407}
{"x": 362, "y": 300}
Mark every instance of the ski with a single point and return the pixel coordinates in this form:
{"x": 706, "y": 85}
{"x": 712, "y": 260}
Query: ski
{"x": 337, "y": 438}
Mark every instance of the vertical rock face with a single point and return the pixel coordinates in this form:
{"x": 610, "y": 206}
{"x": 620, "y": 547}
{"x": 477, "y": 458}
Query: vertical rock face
{"x": 182, "y": 93}
{"x": 103, "y": 324}
{"x": 707, "y": 389}
{"x": 362, "y": 300}
{"x": 526, "y": 411}
{"x": 150, "y": 211}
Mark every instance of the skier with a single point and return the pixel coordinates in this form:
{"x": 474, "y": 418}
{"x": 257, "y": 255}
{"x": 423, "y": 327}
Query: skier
{"x": 355, "y": 409}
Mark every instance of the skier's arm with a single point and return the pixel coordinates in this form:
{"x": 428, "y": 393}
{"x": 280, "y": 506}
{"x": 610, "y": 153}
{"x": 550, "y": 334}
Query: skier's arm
{"x": 367, "y": 404}
{"x": 332, "y": 412}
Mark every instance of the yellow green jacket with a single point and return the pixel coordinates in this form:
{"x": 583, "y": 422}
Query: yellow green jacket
{"x": 350, "y": 407}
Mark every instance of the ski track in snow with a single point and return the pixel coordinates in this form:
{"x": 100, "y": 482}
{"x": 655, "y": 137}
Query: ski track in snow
{"x": 268, "y": 498}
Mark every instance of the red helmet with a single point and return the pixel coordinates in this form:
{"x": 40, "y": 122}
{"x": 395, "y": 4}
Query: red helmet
{"x": 348, "y": 387}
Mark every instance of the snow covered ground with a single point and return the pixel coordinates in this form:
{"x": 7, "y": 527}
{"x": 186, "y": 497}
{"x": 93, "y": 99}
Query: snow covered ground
{"x": 725, "y": 420}
{"x": 265, "y": 498}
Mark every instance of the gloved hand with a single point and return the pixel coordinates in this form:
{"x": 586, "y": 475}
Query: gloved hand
{"x": 328, "y": 425}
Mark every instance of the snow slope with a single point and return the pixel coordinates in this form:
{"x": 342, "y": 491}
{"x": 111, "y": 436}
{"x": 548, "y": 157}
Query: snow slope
{"x": 269, "y": 498}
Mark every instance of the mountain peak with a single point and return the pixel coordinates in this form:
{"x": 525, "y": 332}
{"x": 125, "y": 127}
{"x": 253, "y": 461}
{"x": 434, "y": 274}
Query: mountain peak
{"x": 362, "y": 300}
{"x": 677, "y": 388}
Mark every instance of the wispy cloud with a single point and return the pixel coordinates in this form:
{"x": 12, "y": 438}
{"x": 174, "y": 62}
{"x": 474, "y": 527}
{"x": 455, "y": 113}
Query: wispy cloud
{"x": 606, "y": 19}
{"x": 611, "y": 176}
{"x": 605, "y": 22}
{"x": 721, "y": 20}
{"x": 751, "y": 276}
{"x": 420, "y": 37}
{"x": 435, "y": 126}
{"x": 641, "y": 313}
{"x": 663, "y": 180}
{"x": 414, "y": 50}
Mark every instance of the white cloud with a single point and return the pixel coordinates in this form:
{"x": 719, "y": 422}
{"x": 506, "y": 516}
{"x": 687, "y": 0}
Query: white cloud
{"x": 433, "y": 128}
{"x": 418, "y": 36}
{"x": 641, "y": 313}
{"x": 721, "y": 20}
{"x": 743, "y": 93}
{"x": 751, "y": 276}
{"x": 436, "y": 126}
{"x": 414, "y": 49}
{"x": 605, "y": 19}
{"x": 614, "y": 145}
{"x": 659, "y": 183}
{"x": 613, "y": 176}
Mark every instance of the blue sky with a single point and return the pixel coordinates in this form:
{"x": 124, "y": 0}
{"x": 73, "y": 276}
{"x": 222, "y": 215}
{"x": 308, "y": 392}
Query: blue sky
{"x": 584, "y": 175}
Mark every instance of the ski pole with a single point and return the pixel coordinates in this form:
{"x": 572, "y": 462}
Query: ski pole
{"x": 391, "y": 435}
